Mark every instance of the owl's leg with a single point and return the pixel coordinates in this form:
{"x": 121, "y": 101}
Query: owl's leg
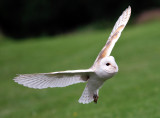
{"x": 95, "y": 97}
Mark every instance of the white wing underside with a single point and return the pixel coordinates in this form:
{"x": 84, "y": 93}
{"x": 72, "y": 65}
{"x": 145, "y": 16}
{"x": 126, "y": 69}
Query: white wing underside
{"x": 118, "y": 28}
{"x": 115, "y": 34}
{"x": 122, "y": 20}
{"x": 53, "y": 79}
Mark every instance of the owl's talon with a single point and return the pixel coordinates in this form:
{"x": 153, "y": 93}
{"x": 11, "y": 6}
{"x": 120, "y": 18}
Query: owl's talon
{"x": 95, "y": 97}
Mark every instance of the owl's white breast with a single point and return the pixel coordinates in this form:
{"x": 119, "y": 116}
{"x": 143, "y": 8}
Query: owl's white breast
{"x": 103, "y": 74}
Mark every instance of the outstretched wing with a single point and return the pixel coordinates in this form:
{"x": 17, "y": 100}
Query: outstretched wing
{"x": 115, "y": 34}
{"x": 53, "y": 79}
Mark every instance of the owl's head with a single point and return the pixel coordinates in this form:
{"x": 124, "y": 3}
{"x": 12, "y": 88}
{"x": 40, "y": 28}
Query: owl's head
{"x": 106, "y": 67}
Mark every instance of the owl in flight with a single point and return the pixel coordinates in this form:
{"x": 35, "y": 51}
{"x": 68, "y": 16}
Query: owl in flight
{"x": 103, "y": 68}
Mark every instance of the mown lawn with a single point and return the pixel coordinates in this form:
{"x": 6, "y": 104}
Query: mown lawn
{"x": 133, "y": 93}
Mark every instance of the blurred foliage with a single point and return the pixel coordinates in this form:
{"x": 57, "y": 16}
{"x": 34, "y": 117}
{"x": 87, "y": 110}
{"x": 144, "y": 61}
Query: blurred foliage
{"x": 26, "y": 18}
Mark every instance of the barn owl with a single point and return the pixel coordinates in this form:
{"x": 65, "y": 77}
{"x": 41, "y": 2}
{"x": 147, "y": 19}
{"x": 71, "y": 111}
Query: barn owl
{"x": 102, "y": 69}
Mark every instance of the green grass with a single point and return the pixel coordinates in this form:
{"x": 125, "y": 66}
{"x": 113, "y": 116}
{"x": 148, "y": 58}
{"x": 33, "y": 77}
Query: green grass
{"x": 133, "y": 93}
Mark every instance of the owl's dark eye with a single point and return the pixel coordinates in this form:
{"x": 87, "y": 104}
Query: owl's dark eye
{"x": 107, "y": 64}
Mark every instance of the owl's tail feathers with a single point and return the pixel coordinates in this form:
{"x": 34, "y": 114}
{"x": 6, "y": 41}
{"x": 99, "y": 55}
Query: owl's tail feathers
{"x": 88, "y": 96}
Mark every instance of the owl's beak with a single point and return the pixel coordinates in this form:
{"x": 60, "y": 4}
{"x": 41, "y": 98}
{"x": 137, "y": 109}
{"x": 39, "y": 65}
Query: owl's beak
{"x": 116, "y": 68}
